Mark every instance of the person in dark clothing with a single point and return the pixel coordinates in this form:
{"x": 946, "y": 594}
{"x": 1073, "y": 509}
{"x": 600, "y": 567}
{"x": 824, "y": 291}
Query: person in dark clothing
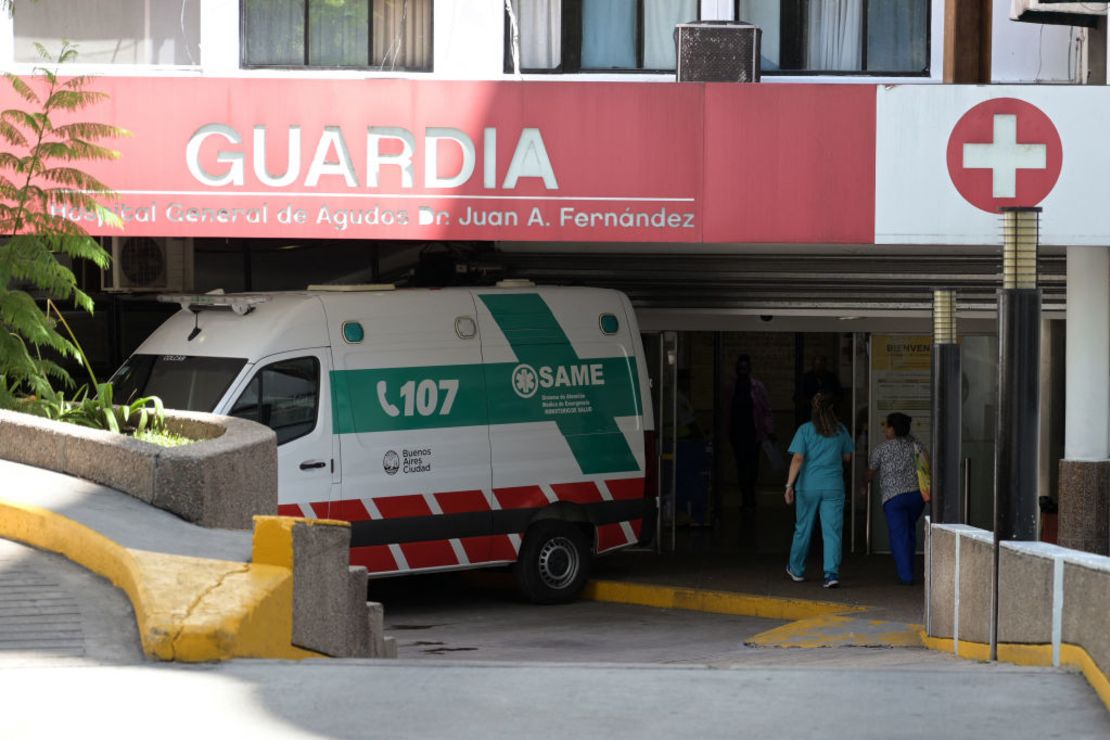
{"x": 819, "y": 379}
{"x": 750, "y": 423}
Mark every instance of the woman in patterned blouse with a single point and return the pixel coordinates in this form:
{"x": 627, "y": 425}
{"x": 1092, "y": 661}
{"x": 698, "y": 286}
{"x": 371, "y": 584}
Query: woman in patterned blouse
{"x": 903, "y": 503}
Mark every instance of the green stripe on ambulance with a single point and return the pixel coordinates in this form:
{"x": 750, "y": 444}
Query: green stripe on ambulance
{"x": 548, "y": 383}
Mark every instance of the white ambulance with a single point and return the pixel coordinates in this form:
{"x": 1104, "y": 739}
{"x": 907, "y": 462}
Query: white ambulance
{"x": 454, "y": 428}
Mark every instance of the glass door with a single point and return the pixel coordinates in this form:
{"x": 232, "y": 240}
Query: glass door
{"x": 661, "y": 349}
{"x": 979, "y": 391}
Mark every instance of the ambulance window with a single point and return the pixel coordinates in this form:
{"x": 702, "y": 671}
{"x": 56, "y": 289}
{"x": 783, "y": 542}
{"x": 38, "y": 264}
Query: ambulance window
{"x": 183, "y": 382}
{"x": 284, "y": 396}
{"x": 609, "y": 324}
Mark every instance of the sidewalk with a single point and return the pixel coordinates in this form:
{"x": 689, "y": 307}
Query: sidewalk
{"x": 56, "y": 613}
{"x": 198, "y": 594}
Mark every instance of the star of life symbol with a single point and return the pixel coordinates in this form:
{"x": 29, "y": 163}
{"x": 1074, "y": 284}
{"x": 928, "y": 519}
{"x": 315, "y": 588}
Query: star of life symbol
{"x": 1004, "y": 152}
{"x": 525, "y": 382}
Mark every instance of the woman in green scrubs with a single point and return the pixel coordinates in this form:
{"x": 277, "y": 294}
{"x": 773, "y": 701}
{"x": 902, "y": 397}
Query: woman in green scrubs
{"x": 816, "y": 483}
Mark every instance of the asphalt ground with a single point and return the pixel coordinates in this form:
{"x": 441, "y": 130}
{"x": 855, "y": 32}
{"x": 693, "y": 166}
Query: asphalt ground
{"x": 455, "y": 618}
{"x": 398, "y": 699}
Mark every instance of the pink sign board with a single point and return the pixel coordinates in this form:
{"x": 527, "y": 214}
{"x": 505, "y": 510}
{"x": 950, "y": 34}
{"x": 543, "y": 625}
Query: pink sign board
{"x": 513, "y": 161}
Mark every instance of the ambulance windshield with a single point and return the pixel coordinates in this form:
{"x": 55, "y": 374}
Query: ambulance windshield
{"x": 182, "y": 382}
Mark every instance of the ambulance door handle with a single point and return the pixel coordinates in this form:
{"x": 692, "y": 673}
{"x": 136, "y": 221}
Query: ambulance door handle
{"x": 312, "y": 464}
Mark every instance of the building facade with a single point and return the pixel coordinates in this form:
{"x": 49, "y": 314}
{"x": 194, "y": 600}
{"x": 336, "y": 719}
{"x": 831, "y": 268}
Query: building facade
{"x": 803, "y": 220}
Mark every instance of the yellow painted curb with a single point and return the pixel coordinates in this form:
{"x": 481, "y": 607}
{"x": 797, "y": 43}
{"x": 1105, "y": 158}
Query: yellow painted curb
{"x": 716, "y": 602}
{"x": 1029, "y": 655}
{"x": 187, "y": 609}
{"x": 837, "y": 631}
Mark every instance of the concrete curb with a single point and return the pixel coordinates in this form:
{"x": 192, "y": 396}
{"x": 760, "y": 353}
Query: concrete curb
{"x": 194, "y": 609}
{"x": 219, "y": 481}
{"x": 715, "y": 602}
{"x": 1027, "y": 655}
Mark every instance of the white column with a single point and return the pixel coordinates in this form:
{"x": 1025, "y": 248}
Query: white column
{"x": 469, "y": 39}
{"x": 7, "y": 40}
{"x": 219, "y": 36}
{"x": 1087, "y": 432}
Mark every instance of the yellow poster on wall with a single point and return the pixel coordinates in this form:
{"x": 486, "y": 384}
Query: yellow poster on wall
{"x": 901, "y": 353}
{"x": 900, "y": 380}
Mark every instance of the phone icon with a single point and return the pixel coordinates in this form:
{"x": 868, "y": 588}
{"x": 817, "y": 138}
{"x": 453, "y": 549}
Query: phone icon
{"x": 387, "y": 407}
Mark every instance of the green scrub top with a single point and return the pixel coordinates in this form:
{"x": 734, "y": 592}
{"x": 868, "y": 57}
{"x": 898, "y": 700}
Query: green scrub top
{"x": 823, "y": 469}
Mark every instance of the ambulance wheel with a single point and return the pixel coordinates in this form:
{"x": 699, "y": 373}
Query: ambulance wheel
{"x": 554, "y": 562}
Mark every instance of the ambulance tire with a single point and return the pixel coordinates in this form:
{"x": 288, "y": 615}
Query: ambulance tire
{"x": 554, "y": 562}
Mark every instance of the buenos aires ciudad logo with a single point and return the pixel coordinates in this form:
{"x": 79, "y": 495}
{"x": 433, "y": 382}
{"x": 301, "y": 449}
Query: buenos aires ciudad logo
{"x": 524, "y": 381}
{"x": 391, "y": 462}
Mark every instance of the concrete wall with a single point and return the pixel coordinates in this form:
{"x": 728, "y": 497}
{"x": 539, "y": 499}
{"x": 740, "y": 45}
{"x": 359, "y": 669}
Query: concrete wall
{"x": 221, "y": 481}
{"x": 330, "y": 613}
{"x": 1048, "y": 595}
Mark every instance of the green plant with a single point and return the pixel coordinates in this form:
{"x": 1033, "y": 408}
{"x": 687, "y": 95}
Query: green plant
{"x": 96, "y": 410}
{"x": 38, "y": 180}
{"x": 163, "y": 439}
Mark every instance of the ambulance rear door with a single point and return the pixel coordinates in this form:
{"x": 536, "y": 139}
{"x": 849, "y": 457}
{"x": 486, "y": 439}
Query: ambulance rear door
{"x": 566, "y": 419}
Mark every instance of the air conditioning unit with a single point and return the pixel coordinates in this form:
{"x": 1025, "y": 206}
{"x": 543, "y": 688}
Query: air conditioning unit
{"x": 149, "y": 263}
{"x": 1057, "y": 12}
{"x": 717, "y": 51}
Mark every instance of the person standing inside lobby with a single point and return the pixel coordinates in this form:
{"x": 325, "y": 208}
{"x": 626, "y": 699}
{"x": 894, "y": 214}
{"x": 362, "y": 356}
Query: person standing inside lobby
{"x": 750, "y": 423}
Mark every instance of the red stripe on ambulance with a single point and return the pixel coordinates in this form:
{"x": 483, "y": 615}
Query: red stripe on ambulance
{"x": 610, "y": 536}
{"x": 520, "y": 497}
{"x": 429, "y": 554}
{"x": 482, "y": 549}
{"x": 462, "y": 502}
{"x": 396, "y": 507}
{"x": 584, "y": 492}
{"x": 351, "y": 510}
{"x": 375, "y": 558}
{"x": 626, "y": 489}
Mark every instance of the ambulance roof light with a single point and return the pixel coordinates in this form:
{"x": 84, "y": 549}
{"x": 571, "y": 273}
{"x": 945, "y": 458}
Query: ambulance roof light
{"x": 515, "y": 283}
{"x": 239, "y": 304}
{"x": 354, "y": 288}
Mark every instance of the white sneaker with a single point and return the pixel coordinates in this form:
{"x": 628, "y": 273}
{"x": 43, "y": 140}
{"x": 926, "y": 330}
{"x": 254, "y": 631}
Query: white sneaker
{"x": 796, "y": 579}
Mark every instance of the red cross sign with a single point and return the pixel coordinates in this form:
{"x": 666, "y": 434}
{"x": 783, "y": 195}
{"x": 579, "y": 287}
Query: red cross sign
{"x": 1004, "y": 152}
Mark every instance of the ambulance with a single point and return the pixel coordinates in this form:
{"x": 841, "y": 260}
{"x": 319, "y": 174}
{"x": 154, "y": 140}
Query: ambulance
{"x": 454, "y": 428}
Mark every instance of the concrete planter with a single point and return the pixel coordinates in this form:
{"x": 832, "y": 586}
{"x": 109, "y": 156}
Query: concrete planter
{"x": 220, "y": 481}
{"x": 1048, "y": 595}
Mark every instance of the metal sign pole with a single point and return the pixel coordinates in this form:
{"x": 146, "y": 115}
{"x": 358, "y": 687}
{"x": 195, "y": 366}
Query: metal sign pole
{"x": 1019, "y": 351}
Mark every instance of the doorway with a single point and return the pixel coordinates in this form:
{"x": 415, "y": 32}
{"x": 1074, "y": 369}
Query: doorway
{"x": 701, "y": 506}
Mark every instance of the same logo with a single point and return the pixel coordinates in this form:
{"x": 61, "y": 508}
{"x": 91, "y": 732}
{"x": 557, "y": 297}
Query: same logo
{"x": 525, "y": 381}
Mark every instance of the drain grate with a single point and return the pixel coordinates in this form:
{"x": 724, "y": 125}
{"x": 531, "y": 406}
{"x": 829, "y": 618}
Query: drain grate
{"x": 37, "y": 615}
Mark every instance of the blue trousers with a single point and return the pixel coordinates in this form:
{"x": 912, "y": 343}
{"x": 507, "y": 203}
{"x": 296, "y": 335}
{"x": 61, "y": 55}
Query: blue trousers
{"x": 902, "y": 513}
{"x": 807, "y": 505}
